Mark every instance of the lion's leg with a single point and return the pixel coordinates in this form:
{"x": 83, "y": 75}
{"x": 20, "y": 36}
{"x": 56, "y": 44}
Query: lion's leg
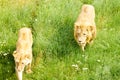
{"x": 90, "y": 42}
{"x": 28, "y": 69}
{"x": 19, "y": 74}
{"x": 83, "y": 47}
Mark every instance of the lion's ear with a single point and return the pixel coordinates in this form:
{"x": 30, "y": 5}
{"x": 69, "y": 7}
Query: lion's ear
{"x": 93, "y": 31}
{"x": 76, "y": 26}
{"x": 14, "y": 53}
{"x": 27, "y": 56}
{"x": 27, "y": 59}
{"x": 90, "y": 28}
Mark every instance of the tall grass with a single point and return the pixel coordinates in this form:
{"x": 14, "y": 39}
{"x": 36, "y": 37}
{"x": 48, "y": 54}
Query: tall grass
{"x": 56, "y": 55}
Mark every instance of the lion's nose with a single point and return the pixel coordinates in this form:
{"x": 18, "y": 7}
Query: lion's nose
{"x": 80, "y": 41}
{"x": 19, "y": 70}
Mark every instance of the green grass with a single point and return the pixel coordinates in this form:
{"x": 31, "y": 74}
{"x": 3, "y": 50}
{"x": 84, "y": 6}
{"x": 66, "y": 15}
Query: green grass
{"x": 56, "y": 55}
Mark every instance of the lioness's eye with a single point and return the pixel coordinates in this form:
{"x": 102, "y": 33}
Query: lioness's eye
{"x": 78, "y": 34}
{"x": 84, "y": 34}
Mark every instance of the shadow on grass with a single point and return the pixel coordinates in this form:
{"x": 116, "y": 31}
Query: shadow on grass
{"x": 63, "y": 42}
{"x": 6, "y": 66}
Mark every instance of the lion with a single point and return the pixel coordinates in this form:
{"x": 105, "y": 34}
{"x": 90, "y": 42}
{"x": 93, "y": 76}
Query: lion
{"x": 23, "y": 53}
{"x": 85, "y": 27}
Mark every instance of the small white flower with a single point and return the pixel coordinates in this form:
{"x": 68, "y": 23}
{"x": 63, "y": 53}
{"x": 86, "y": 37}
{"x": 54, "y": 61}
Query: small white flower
{"x": 8, "y": 62}
{"x": 111, "y": 29}
{"x": 98, "y": 60}
{"x": 75, "y": 66}
{"x": 36, "y": 20}
{"x": 49, "y": 21}
{"x": 24, "y": 24}
{"x": 5, "y": 54}
{"x": 9, "y": 50}
{"x": 105, "y": 29}
{"x": 84, "y": 69}
{"x": 46, "y": 0}
{"x": 1, "y": 52}
{"x": 78, "y": 61}
{"x": 83, "y": 55}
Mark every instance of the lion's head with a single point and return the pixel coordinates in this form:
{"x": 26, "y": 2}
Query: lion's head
{"x": 20, "y": 61}
{"x": 82, "y": 34}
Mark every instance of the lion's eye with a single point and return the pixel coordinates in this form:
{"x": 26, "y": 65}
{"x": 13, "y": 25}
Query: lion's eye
{"x": 84, "y": 33}
{"x": 22, "y": 63}
{"x": 78, "y": 33}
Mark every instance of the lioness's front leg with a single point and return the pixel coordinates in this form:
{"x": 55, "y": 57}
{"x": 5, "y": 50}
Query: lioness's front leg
{"x": 83, "y": 47}
{"x": 19, "y": 74}
{"x": 28, "y": 68}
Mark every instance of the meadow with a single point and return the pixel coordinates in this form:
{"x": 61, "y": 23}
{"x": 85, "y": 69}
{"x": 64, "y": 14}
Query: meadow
{"x": 56, "y": 55}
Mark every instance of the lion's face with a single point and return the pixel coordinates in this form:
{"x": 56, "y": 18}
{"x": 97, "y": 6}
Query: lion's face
{"x": 82, "y": 34}
{"x": 20, "y": 61}
{"x": 20, "y": 64}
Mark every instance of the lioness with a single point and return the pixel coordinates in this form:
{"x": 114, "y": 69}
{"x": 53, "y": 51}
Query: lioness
{"x": 23, "y": 53}
{"x": 84, "y": 27}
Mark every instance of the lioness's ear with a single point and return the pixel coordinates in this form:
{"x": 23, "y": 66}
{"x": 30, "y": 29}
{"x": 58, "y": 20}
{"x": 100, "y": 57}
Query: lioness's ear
{"x": 93, "y": 31}
{"x": 27, "y": 57}
{"x": 14, "y": 53}
{"x": 76, "y": 26}
{"x": 90, "y": 28}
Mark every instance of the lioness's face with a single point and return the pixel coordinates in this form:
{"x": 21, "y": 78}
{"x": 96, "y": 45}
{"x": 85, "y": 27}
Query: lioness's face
{"x": 81, "y": 34}
{"x": 20, "y": 63}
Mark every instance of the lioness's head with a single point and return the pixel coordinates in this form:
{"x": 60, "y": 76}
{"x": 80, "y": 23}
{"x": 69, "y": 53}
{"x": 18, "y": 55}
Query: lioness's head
{"x": 82, "y": 34}
{"x": 20, "y": 61}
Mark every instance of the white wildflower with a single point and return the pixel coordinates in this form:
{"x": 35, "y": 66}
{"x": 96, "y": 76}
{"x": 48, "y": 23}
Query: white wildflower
{"x": 9, "y": 50}
{"x": 24, "y": 24}
{"x": 5, "y": 54}
{"x": 78, "y": 61}
{"x": 75, "y": 66}
{"x": 83, "y": 55}
{"x": 84, "y": 69}
{"x": 105, "y": 29}
{"x": 8, "y": 62}
{"x": 86, "y": 58}
{"x": 36, "y": 20}
{"x": 49, "y": 21}
{"x": 98, "y": 60}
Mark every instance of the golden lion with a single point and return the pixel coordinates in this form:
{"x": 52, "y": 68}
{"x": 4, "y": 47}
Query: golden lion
{"x": 84, "y": 27}
{"x": 23, "y": 53}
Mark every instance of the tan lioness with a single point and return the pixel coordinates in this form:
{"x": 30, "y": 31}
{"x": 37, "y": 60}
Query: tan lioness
{"x": 84, "y": 27}
{"x": 23, "y": 53}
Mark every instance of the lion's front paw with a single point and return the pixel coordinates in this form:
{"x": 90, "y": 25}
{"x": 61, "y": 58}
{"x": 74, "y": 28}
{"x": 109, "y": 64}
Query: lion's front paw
{"x": 29, "y": 71}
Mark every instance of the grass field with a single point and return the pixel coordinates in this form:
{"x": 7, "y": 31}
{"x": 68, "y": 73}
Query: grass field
{"x": 56, "y": 55}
